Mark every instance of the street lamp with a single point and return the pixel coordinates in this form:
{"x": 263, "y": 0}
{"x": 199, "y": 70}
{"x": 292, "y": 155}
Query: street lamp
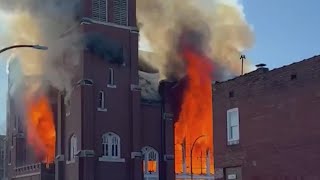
{"x": 192, "y": 151}
{"x": 38, "y": 47}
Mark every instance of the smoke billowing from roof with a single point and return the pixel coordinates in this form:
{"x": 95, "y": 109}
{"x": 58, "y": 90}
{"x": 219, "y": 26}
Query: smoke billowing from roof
{"x": 220, "y": 25}
{"x": 42, "y": 22}
{"x": 218, "y": 28}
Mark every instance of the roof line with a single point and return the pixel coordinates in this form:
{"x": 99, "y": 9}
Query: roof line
{"x": 272, "y": 70}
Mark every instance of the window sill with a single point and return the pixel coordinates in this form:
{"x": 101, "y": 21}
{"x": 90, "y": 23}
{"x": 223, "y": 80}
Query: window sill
{"x": 107, "y": 159}
{"x": 70, "y": 162}
{"x": 232, "y": 142}
{"x": 102, "y": 109}
{"x": 111, "y": 86}
{"x": 60, "y": 157}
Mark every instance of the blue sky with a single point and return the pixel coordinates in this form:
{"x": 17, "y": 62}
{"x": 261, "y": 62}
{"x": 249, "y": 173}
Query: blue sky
{"x": 286, "y": 31}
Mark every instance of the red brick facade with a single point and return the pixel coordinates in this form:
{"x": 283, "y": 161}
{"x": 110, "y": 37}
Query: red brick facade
{"x": 83, "y": 127}
{"x": 278, "y": 120}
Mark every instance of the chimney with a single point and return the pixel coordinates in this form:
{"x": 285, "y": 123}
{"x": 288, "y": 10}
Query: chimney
{"x": 262, "y": 67}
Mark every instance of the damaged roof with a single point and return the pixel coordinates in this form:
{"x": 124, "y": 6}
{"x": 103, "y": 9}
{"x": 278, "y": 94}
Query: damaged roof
{"x": 149, "y": 84}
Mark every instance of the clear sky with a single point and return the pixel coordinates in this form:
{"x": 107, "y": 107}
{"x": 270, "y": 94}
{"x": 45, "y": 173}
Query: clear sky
{"x": 286, "y": 31}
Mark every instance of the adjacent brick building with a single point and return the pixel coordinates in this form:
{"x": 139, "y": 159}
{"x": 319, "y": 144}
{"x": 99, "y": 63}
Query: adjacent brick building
{"x": 266, "y": 123}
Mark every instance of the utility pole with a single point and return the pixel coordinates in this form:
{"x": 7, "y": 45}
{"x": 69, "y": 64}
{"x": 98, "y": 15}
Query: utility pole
{"x": 242, "y": 57}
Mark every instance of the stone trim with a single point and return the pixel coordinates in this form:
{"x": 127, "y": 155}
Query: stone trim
{"x": 71, "y": 161}
{"x": 136, "y": 155}
{"x": 168, "y": 157}
{"x": 107, "y": 159}
{"x": 87, "y": 20}
{"x": 168, "y": 116}
{"x": 135, "y": 87}
{"x": 102, "y": 109}
{"x": 112, "y": 86}
{"x": 233, "y": 142}
{"x": 26, "y": 175}
{"x": 60, "y": 157}
{"x": 85, "y": 153}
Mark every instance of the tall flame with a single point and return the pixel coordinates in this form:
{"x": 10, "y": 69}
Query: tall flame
{"x": 195, "y": 125}
{"x": 40, "y": 128}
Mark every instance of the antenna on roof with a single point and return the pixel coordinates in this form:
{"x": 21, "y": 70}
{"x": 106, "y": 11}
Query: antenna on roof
{"x": 242, "y": 57}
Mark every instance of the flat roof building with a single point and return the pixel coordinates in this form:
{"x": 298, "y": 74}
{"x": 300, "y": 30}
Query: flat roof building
{"x": 266, "y": 123}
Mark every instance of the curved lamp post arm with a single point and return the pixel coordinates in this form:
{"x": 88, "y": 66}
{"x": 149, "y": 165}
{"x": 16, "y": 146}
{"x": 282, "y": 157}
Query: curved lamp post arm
{"x": 194, "y": 142}
{"x": 24, "y": 46}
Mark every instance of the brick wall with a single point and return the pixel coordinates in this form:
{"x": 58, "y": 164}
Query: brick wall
{"x": 279, "y": 121}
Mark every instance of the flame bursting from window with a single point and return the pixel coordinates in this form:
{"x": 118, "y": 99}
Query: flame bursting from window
{"x": 195, "y": 121}
{"x": 41, "y": 133}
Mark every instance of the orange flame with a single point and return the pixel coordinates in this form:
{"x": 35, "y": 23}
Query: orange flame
{"x": 152, "y": 166}
{"x": 41, "y": 133}
{"x": 195, "y": 118}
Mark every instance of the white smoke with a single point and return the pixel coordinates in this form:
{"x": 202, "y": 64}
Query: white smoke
{"x": 42, "y": 22}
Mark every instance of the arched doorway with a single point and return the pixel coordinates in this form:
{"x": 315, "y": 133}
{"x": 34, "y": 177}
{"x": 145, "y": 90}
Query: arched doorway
{"x": 150, "y": 163}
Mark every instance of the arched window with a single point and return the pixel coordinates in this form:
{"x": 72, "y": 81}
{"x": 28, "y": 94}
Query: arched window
{"x": 150, "y": 163}
{"x": 120, "y": 12}
{"x": 72, "y": 147}
{"x": 111, "y": 146}
{"x": 101, "y": 103}
{"x": 85, "y": 82}
{"x": 100, "y": 10}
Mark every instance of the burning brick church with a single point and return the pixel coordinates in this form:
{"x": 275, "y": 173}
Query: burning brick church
{"x": 119, "y": 122}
